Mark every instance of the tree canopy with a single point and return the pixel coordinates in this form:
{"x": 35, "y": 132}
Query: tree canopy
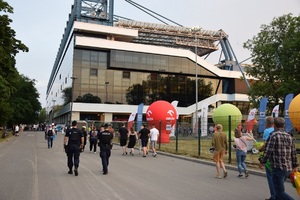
{"x": 275, "y": 55}
{"x": 19, "y": 97}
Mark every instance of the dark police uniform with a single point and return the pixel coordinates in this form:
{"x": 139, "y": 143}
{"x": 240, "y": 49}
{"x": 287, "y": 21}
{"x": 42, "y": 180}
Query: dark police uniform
{"x": 105, "y": 138}
{"x": 73, "y": 147}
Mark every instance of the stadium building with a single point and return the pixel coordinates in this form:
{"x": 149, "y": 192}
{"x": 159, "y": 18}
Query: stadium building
{"x": 124, "y": 63}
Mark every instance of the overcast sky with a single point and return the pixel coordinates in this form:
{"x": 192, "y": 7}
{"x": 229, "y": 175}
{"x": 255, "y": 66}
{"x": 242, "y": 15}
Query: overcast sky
{"x": 39, "y": 24}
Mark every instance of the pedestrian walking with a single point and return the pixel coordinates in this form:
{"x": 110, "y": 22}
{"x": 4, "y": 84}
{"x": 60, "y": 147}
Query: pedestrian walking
{"x": 144, "y": 135}
{"x": 220, "y": 144}
{"x": 83, "y": 129}
{"x": 154, "y": 133}
{"x": 281, "y": 151}
{"x": 50, "y": 136}
{"x": 267, "y": 132}
{"x": 123, "y": 136}
{"x": 105, "y": 143}
{"x": 132, "y": 135}
{"x": 73, "y": 141}
{"x": 241, "y": 151}
{"x": 93, "y": 139}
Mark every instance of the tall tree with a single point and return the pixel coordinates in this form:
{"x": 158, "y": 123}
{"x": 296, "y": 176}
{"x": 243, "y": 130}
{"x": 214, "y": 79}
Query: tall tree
{"x": 9, "y": 47}
{"x": 24, "y": 102}
{"x": 67, "y": 95}
{"x": 276, "y": 60}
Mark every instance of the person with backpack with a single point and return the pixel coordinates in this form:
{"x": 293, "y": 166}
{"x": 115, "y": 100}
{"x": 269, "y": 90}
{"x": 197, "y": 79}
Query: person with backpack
{"x": 50, "y": 134}
{"x": 105, "y": 143}
{"x": 73, "y": 141}
{"x": 93, "y": 139}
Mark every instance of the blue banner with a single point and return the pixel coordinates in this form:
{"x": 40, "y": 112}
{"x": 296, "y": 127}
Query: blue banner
{"x": 262, "y": 114}
{"x": 139, "y": 117}
{"x": 288, "y": 124}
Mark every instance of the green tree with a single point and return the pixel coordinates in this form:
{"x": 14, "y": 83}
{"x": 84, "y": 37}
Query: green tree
{"x": 24, "y": 102}
{"x": 9, "y": 47}
{"x": 88, "y": 98}
{"x": 135, "y": 94}
{"x": 42, "y": 116}
{"x": 276, "y": 60}
{"x": 67, "y": 95}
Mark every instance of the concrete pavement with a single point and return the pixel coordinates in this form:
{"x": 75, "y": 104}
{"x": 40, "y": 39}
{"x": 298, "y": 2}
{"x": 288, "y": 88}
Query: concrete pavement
{"x": 29, "y": 170}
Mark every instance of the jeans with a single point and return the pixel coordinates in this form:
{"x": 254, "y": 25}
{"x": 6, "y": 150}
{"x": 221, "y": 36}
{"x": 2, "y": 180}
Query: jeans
{"x": 270, "y": 183}
{"x": 93, "y": 145}
{"x": 240, "y": 157}
{"x": 50, "y": 142}
{"x": 279, "y": 177}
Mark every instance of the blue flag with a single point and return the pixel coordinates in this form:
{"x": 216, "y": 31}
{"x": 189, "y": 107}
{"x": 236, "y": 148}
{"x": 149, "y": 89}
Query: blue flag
{"x": 288, "y": 124}
{"x": 139, "y": 116}
{"x": 262, "y": 114}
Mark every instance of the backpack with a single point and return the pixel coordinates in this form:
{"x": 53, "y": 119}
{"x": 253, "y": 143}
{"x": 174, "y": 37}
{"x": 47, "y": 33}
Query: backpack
{"x": 50, "y": 133}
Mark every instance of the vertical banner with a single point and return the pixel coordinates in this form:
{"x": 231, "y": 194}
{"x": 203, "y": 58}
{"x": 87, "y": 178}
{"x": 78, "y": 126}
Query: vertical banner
{"x": 288, "y": 124}
{"x": 262, "y": 114}
{"x": 174, "y": 104}
{"x": 131, "y": 120}
{"x": 204, "y": 121}
{"x": 139, "y": 116}
{"x": 275, "y": 111}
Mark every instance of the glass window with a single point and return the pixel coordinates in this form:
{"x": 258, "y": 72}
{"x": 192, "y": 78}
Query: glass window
{"x": 93, "y": 72}
{"x": 94, "y": 56}
{"x": 126, "y": 74}
{"x": 103, "y": 57}
{"x": 85, "y": 55}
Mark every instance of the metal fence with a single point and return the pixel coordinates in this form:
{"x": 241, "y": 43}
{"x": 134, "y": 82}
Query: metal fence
{"x": 185, "y": 141}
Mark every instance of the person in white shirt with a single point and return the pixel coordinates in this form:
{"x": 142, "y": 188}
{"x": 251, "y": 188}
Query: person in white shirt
{"x": 154, "y": 133}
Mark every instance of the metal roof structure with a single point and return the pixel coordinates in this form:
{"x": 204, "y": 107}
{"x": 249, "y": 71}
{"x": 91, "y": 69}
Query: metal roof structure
{"x": 174, "y": 36}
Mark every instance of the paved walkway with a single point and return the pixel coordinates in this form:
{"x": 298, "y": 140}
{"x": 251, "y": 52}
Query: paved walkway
{"x": 31, "y": 171}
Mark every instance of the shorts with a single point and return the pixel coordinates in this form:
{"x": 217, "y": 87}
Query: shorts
{"x": 153, "y": 143}
{"x": 218, "y": 155}
{"x": 123, "y": 142}
{"x": 144, "y": 142}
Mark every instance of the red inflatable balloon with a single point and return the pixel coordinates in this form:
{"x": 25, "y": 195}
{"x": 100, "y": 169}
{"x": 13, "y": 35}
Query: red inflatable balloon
{"x": 163, "y": 115}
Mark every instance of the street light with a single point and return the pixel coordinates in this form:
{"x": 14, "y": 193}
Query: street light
{"x": 73, "y": 83}
{"x": 53, "y": 108}
{"x": 106, "y": 83}
{"x": 195, "y": 30}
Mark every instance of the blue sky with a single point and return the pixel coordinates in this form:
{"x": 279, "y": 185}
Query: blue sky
{"x": 40, "y": 25}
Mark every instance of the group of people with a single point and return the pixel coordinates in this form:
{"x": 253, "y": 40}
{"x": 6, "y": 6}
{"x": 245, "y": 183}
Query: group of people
{"x": 129, "y": 138}
{"x": 74, "y": 142}
{"x": 278, "y": 149}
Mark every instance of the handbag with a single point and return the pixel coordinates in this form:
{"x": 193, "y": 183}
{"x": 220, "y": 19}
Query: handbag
{"x": 295, "y": 179}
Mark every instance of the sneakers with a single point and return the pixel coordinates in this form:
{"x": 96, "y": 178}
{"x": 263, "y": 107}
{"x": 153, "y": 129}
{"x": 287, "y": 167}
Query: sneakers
{"x": 218, "y": 176}
{"x": 246, "y": 174}
{"x": 240, "y": 175}
{"x": 70, "y": 172}
{"x": 154, "y": 155}
{"x": 225, "y": 174}
{"x": 76, "y": 172}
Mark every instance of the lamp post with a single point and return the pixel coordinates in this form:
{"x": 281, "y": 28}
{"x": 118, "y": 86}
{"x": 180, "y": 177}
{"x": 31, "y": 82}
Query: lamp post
{"x": 106, "y": 83}
{"x": 53, "y": 108}
{"x": 72, "y": 97}
{"x": 195, "y": 30}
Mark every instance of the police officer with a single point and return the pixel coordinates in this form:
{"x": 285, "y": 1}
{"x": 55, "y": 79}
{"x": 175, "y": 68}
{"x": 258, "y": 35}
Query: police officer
{"x": 73, "y": 141}
{"x": 105, "y": 143}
